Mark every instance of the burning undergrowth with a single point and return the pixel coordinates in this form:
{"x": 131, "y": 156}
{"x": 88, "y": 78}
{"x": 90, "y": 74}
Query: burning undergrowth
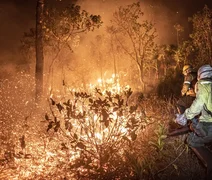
{"x": 82, "y": 135}
{"x": 95, "y": 131}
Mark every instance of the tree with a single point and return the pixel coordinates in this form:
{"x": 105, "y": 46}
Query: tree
{"x": 63, "y": 26}
{"x": 178, "y": 29}
{"x": 61, "y": 29}
{"x": 166, "y": 59}
{"x": 39, "y": 49}
{"x": 136, "y": 37}
{"x": 202, "y": 34}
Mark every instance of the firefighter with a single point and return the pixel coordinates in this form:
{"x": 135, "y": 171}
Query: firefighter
{"x": 188, "y": 95}
{"x": 187, "y": 91}
{"x": 201, "y": 133}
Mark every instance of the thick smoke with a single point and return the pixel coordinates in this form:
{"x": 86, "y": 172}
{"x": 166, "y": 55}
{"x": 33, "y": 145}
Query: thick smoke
{"x": 17, "y": 17}
{"x": 163, "y": 13}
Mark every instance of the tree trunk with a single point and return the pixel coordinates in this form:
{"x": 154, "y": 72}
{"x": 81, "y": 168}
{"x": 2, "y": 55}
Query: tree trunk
{"x": 114, "y": 61}
{"x": 141, "y": 76}
{"x": 39, "y": 50}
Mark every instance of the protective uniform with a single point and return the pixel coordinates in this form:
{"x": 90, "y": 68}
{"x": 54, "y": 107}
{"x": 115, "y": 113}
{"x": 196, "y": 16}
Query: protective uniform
{"x": 202, "y": 107}
{"x": 188, "y": 92}
{"x": 190, "y": 80}
{"x": 201, "y": 127}
{"x": 201, "y": 133}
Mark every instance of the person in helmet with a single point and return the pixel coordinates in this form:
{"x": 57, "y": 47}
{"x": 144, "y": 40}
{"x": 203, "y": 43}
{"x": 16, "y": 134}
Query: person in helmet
{"x": 187, "y": 91}
{"x": 201, "y": 107}
{"x": 185, "y": 101}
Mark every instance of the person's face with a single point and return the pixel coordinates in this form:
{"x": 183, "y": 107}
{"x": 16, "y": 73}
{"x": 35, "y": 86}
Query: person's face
{"x": 185, "y": 73}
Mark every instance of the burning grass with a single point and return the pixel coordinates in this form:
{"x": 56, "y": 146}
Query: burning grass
{"x": 98, "y": 135}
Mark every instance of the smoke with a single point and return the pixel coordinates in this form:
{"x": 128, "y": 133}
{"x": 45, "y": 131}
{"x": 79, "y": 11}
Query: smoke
{"x": 163, "y": 14}
{"x": 15, "y": 18}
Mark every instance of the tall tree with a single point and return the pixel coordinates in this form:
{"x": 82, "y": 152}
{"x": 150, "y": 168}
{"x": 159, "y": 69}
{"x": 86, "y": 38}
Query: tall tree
{"x": 178, "y": 29}
{"x": 39, "y": 49}
{"x": 60, "y": 30}
{"x": 135, "y": 35}
{"x": 202, "y": 34}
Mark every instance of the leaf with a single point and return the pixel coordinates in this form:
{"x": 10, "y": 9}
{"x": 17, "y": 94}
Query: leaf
{"x": 108, "y": 93}
{"x": 128, "y": 126}
{"x": 53, "y": 102}
{"x": 115, "y": 109}
{"x": 133, "y": 121}
{"x": 68, "y": 112}
{"x": 117, "y": 96}
{"x": 50, "y": 125}
{"x": 27, "y": 156}
{"x": 80, "y": 145}
{"x": 107, "y": 122}
{"x": 133, "y": 136}
{"x": 47, "y": 117}
{"x": 67, "y": 103}
{"x": 79, "y": 116}
{"x": 98, "y": 91}
{"x": 76, "y": 94}
{"x": 64, "y": 147}
{"x": 128, "y": 93}
{"x": 120, "y": 113}
{"x": 90, "y": 100}
{"x": 75, "y": 136}
{"x": 175, "y": 166}
{"x": 133, "y": 109}
{"x": 18, "y": 156}
{"x": 57, "y": 126}
{"x": 60, "y": 107}
{"x": 120, "y": 102}
{"x": 68, "y": 125}
{"x": 105, "y": 115}
{"x": 126, "y": 138}
{"x": 22, "y": 141}
{"x": 55, "y": 119}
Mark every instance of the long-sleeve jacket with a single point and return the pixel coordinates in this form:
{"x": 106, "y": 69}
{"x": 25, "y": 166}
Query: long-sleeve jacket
{"x": 202, "y": 105}
{"x": 188, "y": 84}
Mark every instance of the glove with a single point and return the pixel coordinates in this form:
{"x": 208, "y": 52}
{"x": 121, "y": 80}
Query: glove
{"x": 181, "y": 119}
{"x": 191, "y": 92}
{"x": 183, "y": 93}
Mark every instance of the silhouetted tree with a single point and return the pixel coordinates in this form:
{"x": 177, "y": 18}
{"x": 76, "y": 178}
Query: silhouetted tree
{"x": 39, "y": 49}
{"x": 178, "y": 29}
{"x": 60, "y": 29}
{"x": 140, "y": 35}
{"x": 202, "y": 35}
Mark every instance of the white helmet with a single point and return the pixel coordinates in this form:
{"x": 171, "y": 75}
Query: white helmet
{"x": 204, "y": 71}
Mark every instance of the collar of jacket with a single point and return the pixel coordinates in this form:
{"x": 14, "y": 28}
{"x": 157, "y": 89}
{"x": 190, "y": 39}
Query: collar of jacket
{"x": 205, "y": 81}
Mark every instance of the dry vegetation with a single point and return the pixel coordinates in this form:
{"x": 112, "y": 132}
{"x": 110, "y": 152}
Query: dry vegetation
{"x": 39, "y": 142}
{"x": 94, "y": 135}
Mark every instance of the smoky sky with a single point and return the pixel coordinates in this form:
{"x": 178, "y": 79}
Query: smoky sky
{"x": 17, "y": 16}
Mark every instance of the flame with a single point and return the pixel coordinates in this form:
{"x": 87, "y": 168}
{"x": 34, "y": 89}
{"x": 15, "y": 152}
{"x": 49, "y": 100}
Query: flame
{"x": 49, "y": 154}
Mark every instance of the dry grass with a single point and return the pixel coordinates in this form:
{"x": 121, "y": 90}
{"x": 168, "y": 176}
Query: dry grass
{"x": 28, "y": 151}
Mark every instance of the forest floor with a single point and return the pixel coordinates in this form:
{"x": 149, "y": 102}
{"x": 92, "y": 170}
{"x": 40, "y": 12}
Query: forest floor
{"x": 28, "y": 151}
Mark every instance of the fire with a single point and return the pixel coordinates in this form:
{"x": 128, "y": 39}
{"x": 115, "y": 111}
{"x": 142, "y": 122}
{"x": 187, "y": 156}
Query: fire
{"x": 80, "y": 127}
{"x": 110, "y": 84}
